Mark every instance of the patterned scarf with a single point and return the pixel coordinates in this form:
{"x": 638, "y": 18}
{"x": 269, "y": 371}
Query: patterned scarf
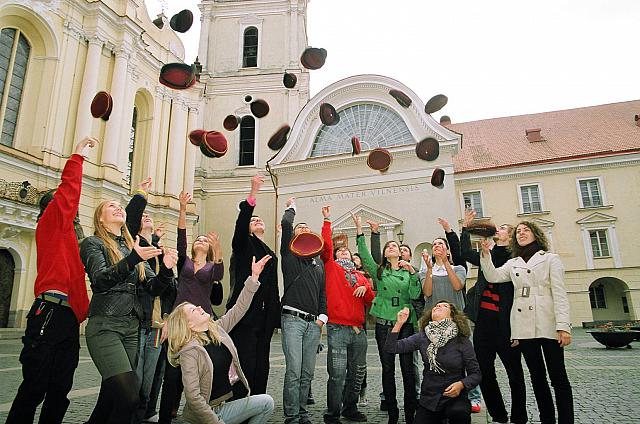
{"x": 349, "y": 270}
{"x": 439, "y": 332}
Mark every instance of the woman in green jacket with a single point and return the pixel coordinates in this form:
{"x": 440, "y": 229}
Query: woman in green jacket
{"x": 397, "y": 283}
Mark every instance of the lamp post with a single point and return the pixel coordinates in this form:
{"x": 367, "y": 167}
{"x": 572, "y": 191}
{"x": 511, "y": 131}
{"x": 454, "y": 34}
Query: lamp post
{"x": 401, "y": 236}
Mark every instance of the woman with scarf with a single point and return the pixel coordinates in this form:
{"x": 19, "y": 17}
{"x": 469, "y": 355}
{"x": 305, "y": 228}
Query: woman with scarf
{"x": 450, "y": 365}
{"x": 540, "y": 321}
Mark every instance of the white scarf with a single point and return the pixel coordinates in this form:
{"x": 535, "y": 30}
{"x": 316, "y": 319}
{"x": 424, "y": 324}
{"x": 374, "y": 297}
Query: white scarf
{"x": 439, "y": 333}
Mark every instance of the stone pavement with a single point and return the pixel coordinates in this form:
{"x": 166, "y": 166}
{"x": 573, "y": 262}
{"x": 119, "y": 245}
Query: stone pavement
{"x": 605, "y": 383}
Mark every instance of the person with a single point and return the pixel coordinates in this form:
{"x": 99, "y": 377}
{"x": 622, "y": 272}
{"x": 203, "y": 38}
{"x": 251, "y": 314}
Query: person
{"x": 489, "y": 306}
{"x": 362, "y": 397}
{"x": 252, "y": 335}
{"x": 540, "y": 321}
{"x": 450, "y": 365}
{"x": 117, "y": 269}
{"x": 304, "y": 313}
{"x": 199, "y": 278}
{"x": 51, "y": 340}
{"x": 442, "y": 279}
{"x": 397, "y": 283}
{"x": 153, "y": 307}
{"x": 348, "y": 293}
{"x": 209, "y": 361}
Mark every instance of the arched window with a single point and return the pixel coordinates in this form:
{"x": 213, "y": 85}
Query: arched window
{"x": 132, "y": 141}
{"x": 250, "y": 50}
{"x": 14, "y": 57}
{"x": 246, "y": 152}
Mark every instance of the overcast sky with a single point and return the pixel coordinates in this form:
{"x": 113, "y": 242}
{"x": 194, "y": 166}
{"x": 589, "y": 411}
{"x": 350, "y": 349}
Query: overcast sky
{"x": 491, "y": 58}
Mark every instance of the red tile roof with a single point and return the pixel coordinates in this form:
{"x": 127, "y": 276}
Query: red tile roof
{"x": 569, "y": 134}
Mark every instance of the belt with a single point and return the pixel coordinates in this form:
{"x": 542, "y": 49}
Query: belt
{"x": 385, "y": 322}
{"x": 219, "y": 401}
{"x": 54, "y": 299}
{"x": 306, "y": 317}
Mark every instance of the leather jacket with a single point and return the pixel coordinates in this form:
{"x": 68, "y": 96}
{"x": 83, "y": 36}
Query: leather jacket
{"x": 115, "y": 286}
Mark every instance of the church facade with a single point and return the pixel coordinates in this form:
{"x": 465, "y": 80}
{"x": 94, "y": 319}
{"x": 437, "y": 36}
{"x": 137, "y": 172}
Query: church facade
{"x": 56, "y": 55}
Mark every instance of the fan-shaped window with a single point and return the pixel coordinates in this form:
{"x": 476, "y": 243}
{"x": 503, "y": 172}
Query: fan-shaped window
{"x": 247, "y": 141}
{"x": 250, "y": 50}
{"x": 374, "y": 125}
{"x": 14, "y": 56}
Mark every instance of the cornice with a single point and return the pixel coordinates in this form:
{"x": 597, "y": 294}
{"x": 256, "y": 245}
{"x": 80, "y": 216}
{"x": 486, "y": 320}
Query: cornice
{"x": 517, "y": 172}
{"x": 18, "y": 214}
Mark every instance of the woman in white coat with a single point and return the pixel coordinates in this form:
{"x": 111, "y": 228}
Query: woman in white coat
{"x": 540, "y": 321}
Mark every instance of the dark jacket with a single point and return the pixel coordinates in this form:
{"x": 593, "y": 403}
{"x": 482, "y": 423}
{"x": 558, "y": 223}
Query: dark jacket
{"x": 115, "y": 286}
{"x": 134, "y": 210}
{"x": 499, "y": 256}
{"x": 264, "y": 312}
{"x": 457, "y": 358}
{"x": 304, "y": 284}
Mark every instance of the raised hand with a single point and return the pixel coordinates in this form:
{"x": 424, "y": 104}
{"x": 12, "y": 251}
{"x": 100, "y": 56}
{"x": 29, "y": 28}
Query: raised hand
{"x": 405, "y": 265}
{"x": 85, "y": 142}
{"x": 160, "y": 231}
{"x": 445, "y": 225}
{"x": 469, "y": 216}
{"x": 214, "y": 242}
{"x": 184, "y": 199}
{"x": 145, "y": 184}
{"x": 427, "y": 258}
{"x": 145, "y": 252}
{"x": 257, "y": 267}
{"x": 326, "y": 211}
{"x": 373, "y": 225}
{"x": 403, "y": 315}
{"x": 290, "y": 202}
{"x": 170, "y": 258}
{"x": 485, "y": 244}
{"x": 358, "y": 221}
{"x": 256, "y": 182}
{"x": 360, "y": 291}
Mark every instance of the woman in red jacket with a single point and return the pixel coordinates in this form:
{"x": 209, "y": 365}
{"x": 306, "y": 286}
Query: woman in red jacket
{"x": 348, "y": 292}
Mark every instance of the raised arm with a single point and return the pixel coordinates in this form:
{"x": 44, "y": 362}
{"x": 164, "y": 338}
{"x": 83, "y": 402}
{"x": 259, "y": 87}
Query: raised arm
{"x": 136, "y": 206}
{"x": 376, "y": 251}
{"x": 241, "y": 231}
{"x": 409, "y": 344}
{"x": 427, "y": 280}
{"x": 467, "y": 252}
{"x": 368, "y": 263}
{"x": 327, "y": 249}
{"x": 287, "y": 226}
{"x": 493, "y": 275}
{"x": 181, "y": 245}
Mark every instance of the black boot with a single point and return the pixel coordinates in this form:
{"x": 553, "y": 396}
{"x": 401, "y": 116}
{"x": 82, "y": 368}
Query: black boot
{"x": 394, "y": 415}
{"x": 409, "y": 414}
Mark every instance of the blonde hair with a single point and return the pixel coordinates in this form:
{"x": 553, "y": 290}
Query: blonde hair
{"x": 180, "y": 334}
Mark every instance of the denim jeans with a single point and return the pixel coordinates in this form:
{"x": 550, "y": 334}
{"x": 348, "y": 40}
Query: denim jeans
{"x": 300, "y": 340}
{"x": 256, "y": 409}
{"x": 148, "y": 354}
{"x": 347, "y": 365}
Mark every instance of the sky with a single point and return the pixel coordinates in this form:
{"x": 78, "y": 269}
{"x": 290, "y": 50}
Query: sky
{"x": 491, "y": 58}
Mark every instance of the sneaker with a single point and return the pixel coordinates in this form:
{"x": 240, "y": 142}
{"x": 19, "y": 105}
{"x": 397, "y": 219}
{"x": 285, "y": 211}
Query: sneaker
{"x": 356, "y": 416}
{"x": 475, "y": 408}
{"x": 152, "y": 419}
{"x": 363, "y": 401}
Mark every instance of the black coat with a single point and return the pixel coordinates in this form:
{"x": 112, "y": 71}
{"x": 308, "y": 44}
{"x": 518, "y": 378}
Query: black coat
{"x": 264, "y": 312}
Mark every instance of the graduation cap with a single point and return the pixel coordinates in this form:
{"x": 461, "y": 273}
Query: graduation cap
{"x": 178, "y": 76}
{"x": 313, "y": 58}
{"x": 379, "y": 159}
{"x": 231, "y": 122}
{"x": 482, "y": 229}
{"x": 196, "y": 137}
{"x": 436, "y": 103}
{"x": 401, "y": 98}
{"x": 181, "y": 21}
{"x": 428, "y": 149}
{"x": 328, "y": 114}
{"x": 289, "y": 80}
{"x": 306, "y": 245}
{"x": 259, "y": 108}
{"x": 279, "y": 138}
{"x": 356, "y": 147}
{"x": 214, "y": 143}
{"x": 437, "y": 178}
{"x": 102, "y": 105}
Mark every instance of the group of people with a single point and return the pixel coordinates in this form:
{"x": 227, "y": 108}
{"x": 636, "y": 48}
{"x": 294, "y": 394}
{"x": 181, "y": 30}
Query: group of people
{"x": 149, "y": 328}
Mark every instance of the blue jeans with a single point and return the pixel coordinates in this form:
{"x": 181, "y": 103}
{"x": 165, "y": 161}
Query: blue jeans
{"x": 474, "y": 395}
{"x": 300, "y": 345}
{"x": 257, "y": 409}
{"x": 148, "y": 354}
{"x": 347, "y": 365}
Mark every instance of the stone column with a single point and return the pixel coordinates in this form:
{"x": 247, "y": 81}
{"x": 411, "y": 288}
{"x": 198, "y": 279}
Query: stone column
{"x": 190, "y": 152}
{"x": 113, "y": 130}
{"x": 154, "y": 137}
{"x": 177, "y": 139}
{"x": 159, "y": 161}
{"x": 294, "y": 50}
{"x": 89, "y": 88}
{"x": 203, "y": 47}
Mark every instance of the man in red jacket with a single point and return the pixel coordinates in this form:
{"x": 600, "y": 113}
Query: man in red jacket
{"x": 348, "y": 292}
{"x": 52, "y": 339}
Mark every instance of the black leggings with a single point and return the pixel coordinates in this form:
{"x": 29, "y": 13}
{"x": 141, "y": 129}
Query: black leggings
{"x": 117, "y": 400}
{"x": 456, "y": 411}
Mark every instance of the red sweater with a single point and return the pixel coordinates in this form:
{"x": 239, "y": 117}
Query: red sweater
{"x": 342, "y": 306}
{"x": 59, "y": 264}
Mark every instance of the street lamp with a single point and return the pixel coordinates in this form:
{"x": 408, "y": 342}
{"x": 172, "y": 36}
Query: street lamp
{"x": 401, "y": 236}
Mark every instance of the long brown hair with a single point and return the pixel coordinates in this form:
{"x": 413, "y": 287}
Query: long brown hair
{"x": 457, "y": 316}
{"x": 538, "y": 235}
{"x": 210, "y": 255}
{"x": 385, "y": 263}
{"x": 112, "y": 247}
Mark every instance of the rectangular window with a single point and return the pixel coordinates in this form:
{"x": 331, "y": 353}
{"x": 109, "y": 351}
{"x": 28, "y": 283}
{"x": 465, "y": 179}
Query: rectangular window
{"x": 596, "y": 297}
{"x": 625, "y": 305}
{"x": 14, "y": 58}
{"x": 473, "y": 200}
{"x": 247, "y": 141}
{"x": 590, "y": 193}
{"x": 530, "y": 196}
{"x": 599, "y": 245}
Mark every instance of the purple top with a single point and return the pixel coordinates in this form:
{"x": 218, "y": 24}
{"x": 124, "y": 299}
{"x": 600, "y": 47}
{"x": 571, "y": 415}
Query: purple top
{"x": 195, "y": 287}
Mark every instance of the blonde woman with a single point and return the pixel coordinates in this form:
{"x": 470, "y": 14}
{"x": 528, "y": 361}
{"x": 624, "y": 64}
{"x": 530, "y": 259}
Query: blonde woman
{"x": 202, "y": 348}
{"x": 117, "y": 269}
